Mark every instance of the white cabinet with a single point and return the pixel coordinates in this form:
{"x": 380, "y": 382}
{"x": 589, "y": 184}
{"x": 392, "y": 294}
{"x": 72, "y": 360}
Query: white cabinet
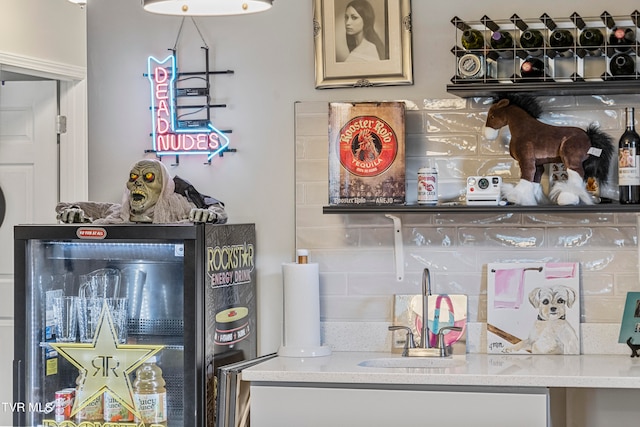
{"x": 309, "y": 405}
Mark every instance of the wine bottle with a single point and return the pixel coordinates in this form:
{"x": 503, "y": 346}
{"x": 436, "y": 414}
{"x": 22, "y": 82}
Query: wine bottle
{"x": 472, "y": 39}
{"x": 532, "y": 42}
{"x": 561, "y": 40}
{"x": 621, "y": 39}
{"x": 532, "y": 68}
{"x": 628, "y": 158}
{"x": 591, "y": 39}
{"x": 502, "y": 41}
{"x": 622, "y": 65}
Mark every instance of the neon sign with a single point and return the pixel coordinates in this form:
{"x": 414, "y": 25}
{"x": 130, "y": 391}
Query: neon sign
{"x": 198, "y": 137}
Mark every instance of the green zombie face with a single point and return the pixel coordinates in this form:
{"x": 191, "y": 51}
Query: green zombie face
{"x": 145, "y": 187}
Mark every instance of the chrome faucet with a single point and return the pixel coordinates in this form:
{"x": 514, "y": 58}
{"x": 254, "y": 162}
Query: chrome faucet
{"x": 410, "y": 349}
{"x": 426, "y": 291}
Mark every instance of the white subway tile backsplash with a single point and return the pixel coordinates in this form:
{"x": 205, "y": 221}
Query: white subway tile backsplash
{"x": 316, "y": 193}
{"x": 445, "y": 104}
{"x": 356, "y": 308}
{"x": 602, "y": 309}
{"x": 521, "y": 255}
{"x": 326, "y": 238}
{"x": 560, "y": 219}
{"x": 595, "y": 284}
{"x": 442, "y": 145}
{"x": 313, "y": 147}
{"x": 503, "y": 218}
{"x": 310, "y": 170}
{"x": 333, "y": 284}
{"x": 507, "y": 237}
{"x": 626, "y": 282}
{"x": 608, "y": 260}
{"x": 414, "y": 123}
{"x": 355, "y": 253}
{"x": 454, "y": 122}
{"x": 607, "y": 120}
{"x": 578, "y": 237}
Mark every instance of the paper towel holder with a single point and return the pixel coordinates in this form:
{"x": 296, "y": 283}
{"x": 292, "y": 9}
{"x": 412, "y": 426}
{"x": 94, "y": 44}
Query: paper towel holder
{"x": 301, "y": 322}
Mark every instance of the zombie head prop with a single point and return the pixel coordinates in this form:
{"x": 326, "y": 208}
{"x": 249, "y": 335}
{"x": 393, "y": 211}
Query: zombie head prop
{"x": 151, "y": 196}
{"x": 145, "y": 188}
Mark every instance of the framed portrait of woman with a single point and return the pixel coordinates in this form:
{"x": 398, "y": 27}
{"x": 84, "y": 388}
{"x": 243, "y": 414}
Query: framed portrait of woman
{"x": 362, "y": 43}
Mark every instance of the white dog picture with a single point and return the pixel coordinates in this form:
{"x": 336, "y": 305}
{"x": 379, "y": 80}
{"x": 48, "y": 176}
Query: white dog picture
{"x": 533, "y": 308}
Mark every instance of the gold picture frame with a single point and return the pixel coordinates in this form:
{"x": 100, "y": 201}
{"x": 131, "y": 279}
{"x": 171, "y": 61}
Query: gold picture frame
{"x": 338, "y": 65}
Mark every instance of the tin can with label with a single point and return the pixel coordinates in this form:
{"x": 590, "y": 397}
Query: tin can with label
{"x": 427, "y": 186}
{"x": 64, "y": 404}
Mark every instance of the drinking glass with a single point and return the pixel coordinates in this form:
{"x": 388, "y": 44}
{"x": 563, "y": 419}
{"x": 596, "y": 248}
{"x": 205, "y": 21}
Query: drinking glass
{"x": 65, "y": 315}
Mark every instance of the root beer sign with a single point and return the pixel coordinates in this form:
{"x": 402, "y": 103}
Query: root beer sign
{"x": 168, "y": 138}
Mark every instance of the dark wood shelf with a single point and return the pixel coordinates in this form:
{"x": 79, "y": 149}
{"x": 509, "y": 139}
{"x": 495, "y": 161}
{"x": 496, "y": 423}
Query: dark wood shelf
{"x": 463, "y": 209}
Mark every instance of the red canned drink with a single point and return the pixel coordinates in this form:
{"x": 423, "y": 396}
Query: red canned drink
{"x": 427, "y": 186}
{"x": 64, "y": 403}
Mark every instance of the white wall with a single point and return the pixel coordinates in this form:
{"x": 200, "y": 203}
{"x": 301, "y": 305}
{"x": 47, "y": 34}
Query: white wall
{"x": 49, "y": 30}
{"x": 272, "y": 56}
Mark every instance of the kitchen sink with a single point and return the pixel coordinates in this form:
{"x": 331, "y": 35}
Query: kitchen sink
{"x": 413, "y": 362}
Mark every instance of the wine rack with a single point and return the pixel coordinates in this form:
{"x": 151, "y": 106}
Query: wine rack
{"x": 606, "y": 65}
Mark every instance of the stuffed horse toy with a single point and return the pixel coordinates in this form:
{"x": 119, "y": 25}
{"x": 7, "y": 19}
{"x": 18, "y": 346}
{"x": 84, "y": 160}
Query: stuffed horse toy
{"x": 585, "y": 154}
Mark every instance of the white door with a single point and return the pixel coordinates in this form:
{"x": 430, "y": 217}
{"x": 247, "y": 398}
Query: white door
{"x": 29, "y": 182}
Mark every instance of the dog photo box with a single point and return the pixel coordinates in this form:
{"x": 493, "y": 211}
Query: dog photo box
{"x": 367, "y": 153}
{"x": 533, "y": 308}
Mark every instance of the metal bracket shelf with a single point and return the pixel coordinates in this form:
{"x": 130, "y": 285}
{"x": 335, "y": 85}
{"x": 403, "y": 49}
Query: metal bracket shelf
{"x": 464, "y": 209}
{"x": 465, "y": 90}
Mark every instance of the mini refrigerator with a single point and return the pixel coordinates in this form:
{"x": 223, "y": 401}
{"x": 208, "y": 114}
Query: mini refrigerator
{"x": 189, "y": 293}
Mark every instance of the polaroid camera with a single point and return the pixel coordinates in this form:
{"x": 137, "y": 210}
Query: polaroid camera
{"x": 483, "y": 190}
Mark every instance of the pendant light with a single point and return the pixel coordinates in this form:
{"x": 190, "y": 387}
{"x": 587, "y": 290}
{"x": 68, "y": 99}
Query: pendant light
{"x": 205, "y": 7}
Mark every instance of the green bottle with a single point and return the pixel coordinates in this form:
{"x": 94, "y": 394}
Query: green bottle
{"x": 502, "y": 41}
{"x": 532, "y": 41}
{"x": 472, "y": 39}
{"x": 561, "y": 40}
{"x": 591, "y": 39}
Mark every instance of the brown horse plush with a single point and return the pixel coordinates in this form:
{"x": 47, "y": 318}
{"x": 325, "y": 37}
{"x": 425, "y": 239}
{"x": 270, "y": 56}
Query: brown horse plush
{"x": 585, "y": 154}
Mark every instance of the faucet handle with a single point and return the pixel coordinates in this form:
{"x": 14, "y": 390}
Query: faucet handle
{"x": 409, "y": 341}
{"x": 441, "y": 333}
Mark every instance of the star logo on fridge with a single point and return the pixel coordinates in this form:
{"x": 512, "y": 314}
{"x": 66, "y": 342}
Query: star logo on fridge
{"x": 105, "y": 365}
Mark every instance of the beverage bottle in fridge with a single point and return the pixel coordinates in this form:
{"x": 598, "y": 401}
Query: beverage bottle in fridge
{"x": 114, "y": 411}
{"x": 150, "y": 394}
{"x": 532, "y": 41}
{"x": 628, "y": 158}
{"x": 92, "y": 411}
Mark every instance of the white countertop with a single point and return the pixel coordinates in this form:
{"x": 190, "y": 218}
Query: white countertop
{"x": 595, "y": 371}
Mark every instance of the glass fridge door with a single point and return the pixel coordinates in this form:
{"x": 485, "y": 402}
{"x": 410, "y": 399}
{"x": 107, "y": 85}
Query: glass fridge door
{"x": 104, "y": 332}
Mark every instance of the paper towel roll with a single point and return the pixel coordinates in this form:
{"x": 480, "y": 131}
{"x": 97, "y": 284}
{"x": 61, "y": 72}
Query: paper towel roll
{"x": 301, "y": 311}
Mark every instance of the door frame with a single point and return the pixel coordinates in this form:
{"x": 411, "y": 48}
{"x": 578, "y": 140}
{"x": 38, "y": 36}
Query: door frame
{"x": 74, "y": 148}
